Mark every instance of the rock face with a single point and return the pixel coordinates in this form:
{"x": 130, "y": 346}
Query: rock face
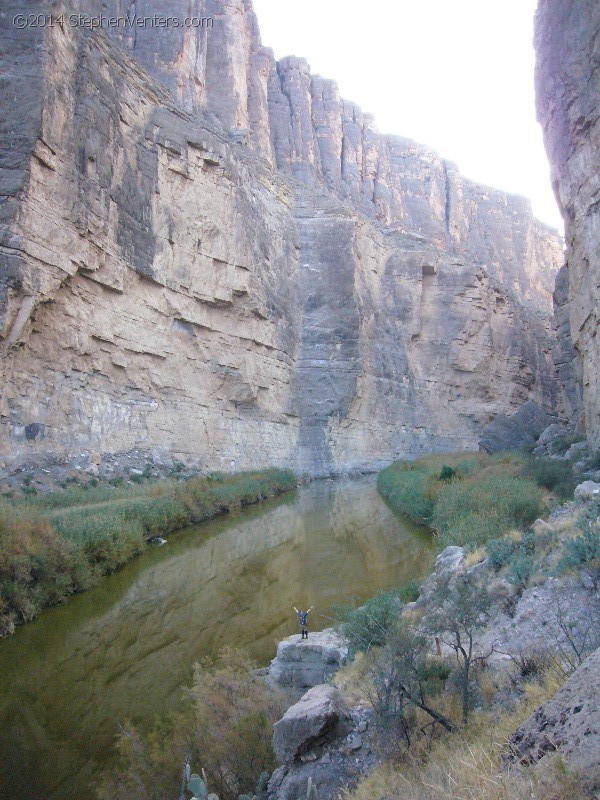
{"x": 569, "y": 724}
{"x": 587, "y": 490}
{"x": 568, "y": 106}
{"x": 210, "y": 256}
{"x": 517, "y": 431}
{"x": 318, "y": 718}
{"x": 317, "y": 739}
{"x": 303, "y": 663}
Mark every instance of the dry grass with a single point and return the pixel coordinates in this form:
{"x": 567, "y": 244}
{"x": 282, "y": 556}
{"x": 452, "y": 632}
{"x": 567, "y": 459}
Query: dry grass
{"x": 475, "y": 557}
{"x": 351, "y": 680}
{"x": 468, "y": 766}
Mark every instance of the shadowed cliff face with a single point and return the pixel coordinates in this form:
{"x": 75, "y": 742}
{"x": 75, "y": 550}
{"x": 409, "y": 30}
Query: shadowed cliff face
{"x": 567, "y": 42}
{"x": 212, "y": 255}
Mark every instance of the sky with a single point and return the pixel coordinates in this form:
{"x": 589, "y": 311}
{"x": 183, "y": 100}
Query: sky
{"x": 456, "y": 75}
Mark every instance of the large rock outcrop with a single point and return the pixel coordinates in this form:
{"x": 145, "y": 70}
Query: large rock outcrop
{"x": 301, "y": 664}
{"x": 515, "y": 432}
{"x": 209, "y": 254}
{"x": 568, "y": 724}
{"x": 567, "y": 42}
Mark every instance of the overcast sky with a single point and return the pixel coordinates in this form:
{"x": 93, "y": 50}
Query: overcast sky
{"x": 453, "y": 74}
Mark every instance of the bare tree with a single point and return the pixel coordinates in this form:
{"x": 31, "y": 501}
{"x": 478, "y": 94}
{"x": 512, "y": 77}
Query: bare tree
{"x": 460, "y": 608}
{"x": 402, "y": 677}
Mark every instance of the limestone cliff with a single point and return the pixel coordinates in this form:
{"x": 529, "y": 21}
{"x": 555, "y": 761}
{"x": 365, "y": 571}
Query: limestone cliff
{"x": 568, "y": 104}
{"x": 210, "y": 255}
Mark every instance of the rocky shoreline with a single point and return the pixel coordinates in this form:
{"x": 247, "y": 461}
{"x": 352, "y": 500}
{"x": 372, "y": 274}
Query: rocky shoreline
{"x": 328, "y": 736}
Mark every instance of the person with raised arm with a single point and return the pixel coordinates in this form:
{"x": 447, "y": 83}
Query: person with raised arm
{"x": 303, "y": 617}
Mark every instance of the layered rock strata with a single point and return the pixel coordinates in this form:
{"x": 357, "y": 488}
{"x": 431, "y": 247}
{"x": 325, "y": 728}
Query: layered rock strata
{"x": 567, "y": 42}
{"x": 209, "y": 254}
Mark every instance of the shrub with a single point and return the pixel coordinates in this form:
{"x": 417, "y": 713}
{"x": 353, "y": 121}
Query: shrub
{"x": 37, "y": 568}
{"x": 500, "y": 551}
{"x": 583, "y": 551}
{"x": 520, "y": 568}
{"x": 447, "y": 473}
{"x": 402, "y": 677}
{"x": 552, "y": 475}
{"x": 593, "y": 462}
{"x": 368, "y": 626}
{"x": 409, "y": 591}
{"x": 226, "y": 727}
{"x": 561, "y": 444}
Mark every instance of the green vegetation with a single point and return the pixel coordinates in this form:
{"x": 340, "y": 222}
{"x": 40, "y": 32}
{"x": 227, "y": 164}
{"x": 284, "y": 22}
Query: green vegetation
{"x": 556, "y": 476}
{"x": 561, "y": 444}
{"x": 467, "y": 500}
{"x": 225, "y": 724}
{"x": 545, "y": 552}
{"x": 56, "y": 544}
{"x": 457, "y": 614}
{"x": 582, "y": 551}
{"x": 367, "y": 626}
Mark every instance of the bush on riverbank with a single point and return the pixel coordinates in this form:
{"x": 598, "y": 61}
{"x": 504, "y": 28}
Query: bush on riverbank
{"x": 57, "y": 544}
{"x": 225, "y": 725}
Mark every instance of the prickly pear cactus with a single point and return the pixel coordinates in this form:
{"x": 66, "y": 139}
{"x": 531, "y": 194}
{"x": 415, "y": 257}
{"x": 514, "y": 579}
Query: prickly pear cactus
{"x": 197, "y": 787}
{"x": 311, "y": 790}
{"x": 260, "y": 792}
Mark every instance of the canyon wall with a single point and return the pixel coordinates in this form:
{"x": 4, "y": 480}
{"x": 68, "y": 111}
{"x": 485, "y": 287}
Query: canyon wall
{"x": 210, "y": 256}
{"x": 568, "y": 105}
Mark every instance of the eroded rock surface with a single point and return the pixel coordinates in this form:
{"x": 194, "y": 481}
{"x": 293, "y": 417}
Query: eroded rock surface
{"x": 321, "y": 739}
{"x": 210, "y": 254}
{"x": 569, "y": 724}
{"x": 515, "y": 432}
{"x": 318, "y": 718}
{"x": 303, "y": 663}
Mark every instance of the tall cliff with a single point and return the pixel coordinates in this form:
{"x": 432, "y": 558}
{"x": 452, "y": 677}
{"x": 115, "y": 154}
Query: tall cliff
{"x": 210, "y": 255}
{"x": 567, "y": 42}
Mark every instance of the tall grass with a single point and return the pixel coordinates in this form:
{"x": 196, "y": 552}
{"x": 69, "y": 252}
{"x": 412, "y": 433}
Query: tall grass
{"x": 56, "y": 544}
{"x": 486, "y": 497}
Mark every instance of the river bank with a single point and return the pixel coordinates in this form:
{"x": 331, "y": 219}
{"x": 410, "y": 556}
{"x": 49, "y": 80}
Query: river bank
{"x": 57, "y": 544}
{"x": 123, "y": 649}
{"x": 522, "y": 616}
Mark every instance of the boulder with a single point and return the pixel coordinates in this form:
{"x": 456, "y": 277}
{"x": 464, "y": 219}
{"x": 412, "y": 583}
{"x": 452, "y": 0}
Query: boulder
{"x": 303, "y": 663}
{"x": 587, "y": 490}
{"x": 551, "y": 433}
{"x": 517, "y": 431}
{"x": 328, "y": 777}
{"x": 317, "y": 719}
{"x": 450, "y": 561}
{"x": 569, "y": 724}
{"x": 576, "y": 449}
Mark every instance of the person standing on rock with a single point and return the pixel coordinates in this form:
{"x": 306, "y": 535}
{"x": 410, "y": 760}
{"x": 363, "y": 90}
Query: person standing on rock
{"x": 303, "y": 617}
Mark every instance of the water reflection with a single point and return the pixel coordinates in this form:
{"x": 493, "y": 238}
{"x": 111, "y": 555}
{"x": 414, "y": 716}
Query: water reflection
{"x": 122, "y": 650}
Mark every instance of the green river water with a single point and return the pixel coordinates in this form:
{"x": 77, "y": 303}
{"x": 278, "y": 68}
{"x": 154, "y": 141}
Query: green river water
{"x": 122, "y": 650}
